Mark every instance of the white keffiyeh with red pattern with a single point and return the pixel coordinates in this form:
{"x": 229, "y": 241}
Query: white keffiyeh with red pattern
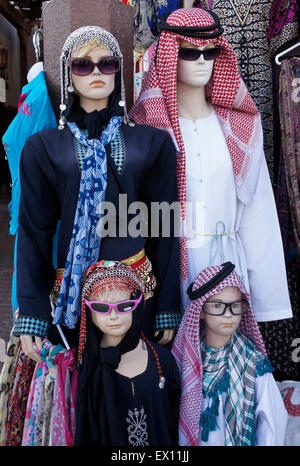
{"x": 237, "y": 113}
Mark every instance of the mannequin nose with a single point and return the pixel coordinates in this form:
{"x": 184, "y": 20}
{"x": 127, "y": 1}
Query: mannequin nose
{"x": 228, "y": 312}
{"x": 113, "y": 314}
{"x": 96, "y": 70}
{"x": 201, "y": 58}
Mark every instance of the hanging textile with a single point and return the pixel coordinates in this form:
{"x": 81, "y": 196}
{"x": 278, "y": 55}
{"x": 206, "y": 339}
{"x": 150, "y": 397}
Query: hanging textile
{"x": 35, "y": 113}
{"x": 283, "y": 23}
{"x": 6, "y": 381}
{"x": 143, "y": 36}
{"x": 18, "y": 399}
{"x": 37, "y": 401}
{"x": 50, "y": 411}
{"x": 157, "y": 8}
{"x": 288, "y": 204}
{"x": 62, "y": 430}
{"x": 289, "y": 106}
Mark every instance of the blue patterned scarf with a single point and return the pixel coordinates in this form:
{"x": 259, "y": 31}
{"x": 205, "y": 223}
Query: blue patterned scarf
{"x": 85, "y": 243}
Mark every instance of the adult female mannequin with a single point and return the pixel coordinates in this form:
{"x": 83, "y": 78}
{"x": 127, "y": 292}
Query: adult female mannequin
{"x": 221, "y": 163}
{"x": 93, "y": 133}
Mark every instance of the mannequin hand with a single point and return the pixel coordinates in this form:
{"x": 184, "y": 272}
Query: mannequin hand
{"x": 27, "y": 342}
{"x": 168, "y": 335}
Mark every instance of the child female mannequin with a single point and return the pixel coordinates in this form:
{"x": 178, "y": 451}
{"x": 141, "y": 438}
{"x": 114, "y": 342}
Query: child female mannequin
{"x": 66, "y": 173}
{"x": 128, "y": 387}
{"x": 225, "y": 368}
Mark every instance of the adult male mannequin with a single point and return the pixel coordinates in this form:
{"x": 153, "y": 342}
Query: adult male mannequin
{"x": 221, "y": 170}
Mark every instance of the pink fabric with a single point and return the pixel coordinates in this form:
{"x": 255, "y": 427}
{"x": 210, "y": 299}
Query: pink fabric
{"x": 281, "y": 13}
{"x": 63, "y": 417}
{"x": 237, "y": 113}
{"x": 26, "y": 110}
{"x": 21, "y": 100}
{"x": 186, "y": 350}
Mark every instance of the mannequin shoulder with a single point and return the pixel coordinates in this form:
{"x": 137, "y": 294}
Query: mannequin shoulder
{"x": 164, "y": 354}
{"x": 146, "y": 133}
{"x": 47, "y": 141}
{"x": 47, "y": 135}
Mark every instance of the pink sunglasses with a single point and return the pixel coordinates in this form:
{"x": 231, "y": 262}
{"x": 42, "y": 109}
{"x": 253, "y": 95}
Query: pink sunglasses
{"x": 122, "y": 307}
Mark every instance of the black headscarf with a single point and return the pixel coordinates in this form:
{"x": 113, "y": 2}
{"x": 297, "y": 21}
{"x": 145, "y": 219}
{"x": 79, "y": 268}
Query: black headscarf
{"x": 95, "y": 121}
{"x": 97, "y": 415}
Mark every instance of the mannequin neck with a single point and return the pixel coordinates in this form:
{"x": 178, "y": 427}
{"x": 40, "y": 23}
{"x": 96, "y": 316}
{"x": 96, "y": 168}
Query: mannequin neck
{"x": 90, "y": 105}
{"x": 192, "y": 103}
{"x": 216, "y": 341}
{"x": 110, "y": 340}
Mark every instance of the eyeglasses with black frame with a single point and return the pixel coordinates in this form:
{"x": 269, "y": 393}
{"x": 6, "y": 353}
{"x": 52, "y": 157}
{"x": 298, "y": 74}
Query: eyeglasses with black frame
{"x": 218, "y": 308}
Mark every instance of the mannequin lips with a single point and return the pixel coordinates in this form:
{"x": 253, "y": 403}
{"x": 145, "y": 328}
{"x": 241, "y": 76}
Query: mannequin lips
{"x": 97, "y": 83}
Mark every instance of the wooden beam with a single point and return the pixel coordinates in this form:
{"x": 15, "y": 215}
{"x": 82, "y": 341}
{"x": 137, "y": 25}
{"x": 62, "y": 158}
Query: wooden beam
{"x": 13, "y": 16}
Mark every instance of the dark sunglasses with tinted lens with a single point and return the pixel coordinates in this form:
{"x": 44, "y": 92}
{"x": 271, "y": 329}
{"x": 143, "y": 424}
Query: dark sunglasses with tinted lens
{"x": 122, "y": 307}
{"x": 84, "y": 66}
{"x": 191, "y": 54}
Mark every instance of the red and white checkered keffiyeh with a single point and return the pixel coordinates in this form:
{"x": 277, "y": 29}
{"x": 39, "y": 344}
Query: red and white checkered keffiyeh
{"x": 187, "y": 352}
{"x": 237, "y": 113}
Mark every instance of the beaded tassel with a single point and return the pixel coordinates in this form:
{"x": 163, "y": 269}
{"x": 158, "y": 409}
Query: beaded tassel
{"x": 162, "y": 380}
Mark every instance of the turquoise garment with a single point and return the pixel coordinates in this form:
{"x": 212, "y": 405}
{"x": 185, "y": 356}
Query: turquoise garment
{"x": 35, "y": 113}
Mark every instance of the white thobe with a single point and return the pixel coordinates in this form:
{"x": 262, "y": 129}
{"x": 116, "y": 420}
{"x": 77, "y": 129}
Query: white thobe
{"x": 247, "y": 235}
{"x": 270, "y": 414}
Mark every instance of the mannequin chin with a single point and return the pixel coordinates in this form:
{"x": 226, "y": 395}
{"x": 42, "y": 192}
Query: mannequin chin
{"x": 95, "y": 88}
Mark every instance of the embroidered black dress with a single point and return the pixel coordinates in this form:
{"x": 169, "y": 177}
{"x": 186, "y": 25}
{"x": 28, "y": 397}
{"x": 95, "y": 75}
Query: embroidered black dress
{"x": 149, "y": 415}
{"x": 50, "y": 178}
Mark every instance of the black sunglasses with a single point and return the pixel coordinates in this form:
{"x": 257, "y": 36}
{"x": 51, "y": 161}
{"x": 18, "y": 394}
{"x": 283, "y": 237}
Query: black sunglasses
{"x": 84, "y": 66}
{"x": 190, "y": 54}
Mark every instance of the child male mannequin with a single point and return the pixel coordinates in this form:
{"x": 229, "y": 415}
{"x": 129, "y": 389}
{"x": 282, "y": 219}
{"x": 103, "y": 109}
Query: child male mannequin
{"x": 225, "y": 366}
{"x": 128, "y": 387}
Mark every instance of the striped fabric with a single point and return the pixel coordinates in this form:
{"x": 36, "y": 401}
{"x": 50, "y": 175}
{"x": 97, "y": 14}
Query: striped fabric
{"x": 239, "y": 358}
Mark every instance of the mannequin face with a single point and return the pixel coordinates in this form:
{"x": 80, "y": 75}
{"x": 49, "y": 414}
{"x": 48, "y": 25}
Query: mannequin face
{"x": 95, "y": 88}
{"x": 195, "y": 73}
{"x": 114, "y": 326}
{"x": 219, "y": 329}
